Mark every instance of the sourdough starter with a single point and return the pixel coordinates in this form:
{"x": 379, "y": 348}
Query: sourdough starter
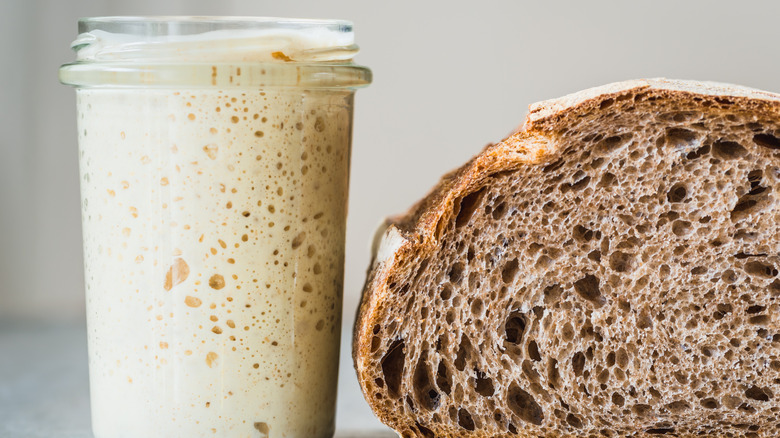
{"x": 214, "y": 223}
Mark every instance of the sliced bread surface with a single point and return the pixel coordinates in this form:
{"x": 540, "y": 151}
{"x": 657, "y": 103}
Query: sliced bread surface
{"x": 609, "y": 270}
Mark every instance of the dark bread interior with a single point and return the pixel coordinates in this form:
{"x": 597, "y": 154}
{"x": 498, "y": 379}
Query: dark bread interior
{"x": 610, "y": 270}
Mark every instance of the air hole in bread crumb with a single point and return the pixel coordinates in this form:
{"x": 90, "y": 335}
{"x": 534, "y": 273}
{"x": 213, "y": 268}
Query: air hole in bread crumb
{"x": 747, "y": 408}
{"x": 677, "y": 193}
{"x": 424, "y": 391}
{"x": 523, "y": 405}
{"x": 643, "y": 320}
{"x": 393, "y": 367}
{"x": 767, "y": 141}
{"x": 680, "y": 137}
{"x": 477, "y": 308}
{"x": 709, "y": 351}
{"x": 474, "y": 281}
{"x": 552, "y": 167}
{"x": 464, "y": 353}
{"x": 660, "y": 431}
{"x": 514, "y": 328}
{"x": 611, "y": 359}
{"x": 617, "y": 399}
{"x": 698, "y": 270}
{"x": 641, "y": 409}
{"x": 621, "y": 358}
{"x": 578, "y": 182}
{"x": 483, "y": 384}
{"x": 603, "y": 376}
{"x": 760, "y": 320}
{"x": 450, "y": 316}
{"x": 729, "y": 276}
{"x": 466, "y": 207}
{"x": 533, "y": 351}
{"x": 596, "y": 163}
{"x": 446, "y": 292}
{"x": 499, "y": 211}
{"x": 710, "y": 403}
{"x": 722, "y": 310}
{"x": 761, "y": 270}
{"x": 553, "y": 375}
{"x": 567, "y": 332}
{"x": 421, "y": 269}
{"x": 574, "y": 421}
{"x": 543, "y": 262}
{"x": 728, "y": 150}
{"x": 426, "y": 433}
{"x": 621, "y": 262}
{"x": 704, "y": 150}
{"x": 456, "y": 273}
{"x": 611, "y": 144}
{"x": 464, "y": 419}
{"x": 754, "y": 178}
{"x": 443, "y": 378}
{"x": 678, "y": 406}
{"x": 774, "y": 288}
{"x": 582, "y": 234}
{"x": 410, "y": 403}
{"x": 607, "y": 180}
{"x": 681, "y": 228}
{"x": 552, "y": 293}
{"x": 750, "y": 204}
{"x": 588, "y": 288}
{"x": 509, "y": 271}
{"x": 578, "y": 363}
{"x": 390, "y": 329}
{"x": 748, "y": 236}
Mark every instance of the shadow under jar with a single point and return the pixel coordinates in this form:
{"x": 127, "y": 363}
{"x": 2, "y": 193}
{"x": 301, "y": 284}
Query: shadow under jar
{"x": 214, "y": 161}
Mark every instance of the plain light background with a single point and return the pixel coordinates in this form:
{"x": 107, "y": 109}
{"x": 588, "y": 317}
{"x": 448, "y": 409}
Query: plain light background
{"x": 448, "y": 79}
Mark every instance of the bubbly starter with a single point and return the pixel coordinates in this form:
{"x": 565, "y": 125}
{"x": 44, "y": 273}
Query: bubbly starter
{"x": 214, "y": 246}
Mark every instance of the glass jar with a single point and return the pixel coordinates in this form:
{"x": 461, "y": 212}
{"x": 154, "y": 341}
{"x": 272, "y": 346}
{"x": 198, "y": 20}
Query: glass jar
{"x": 214, "y": 160}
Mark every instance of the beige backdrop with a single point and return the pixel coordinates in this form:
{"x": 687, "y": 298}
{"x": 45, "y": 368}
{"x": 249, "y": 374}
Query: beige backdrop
{"x": 448, "y": 80}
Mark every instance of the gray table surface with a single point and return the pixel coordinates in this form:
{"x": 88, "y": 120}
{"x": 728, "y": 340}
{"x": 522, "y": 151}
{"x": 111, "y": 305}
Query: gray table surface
{"x": 44, "y": 388}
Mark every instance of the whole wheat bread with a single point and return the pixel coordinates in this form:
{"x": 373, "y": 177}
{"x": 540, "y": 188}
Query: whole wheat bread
{"x": 609, "y": 270}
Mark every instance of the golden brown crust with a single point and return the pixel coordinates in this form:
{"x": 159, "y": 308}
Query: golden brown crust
{"x": 412, "y": 236}
{"x": 550, "y": 114}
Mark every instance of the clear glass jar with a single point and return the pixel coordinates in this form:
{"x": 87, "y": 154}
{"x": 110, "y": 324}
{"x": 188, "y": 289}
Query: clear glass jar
{"x": 214, "y": 160}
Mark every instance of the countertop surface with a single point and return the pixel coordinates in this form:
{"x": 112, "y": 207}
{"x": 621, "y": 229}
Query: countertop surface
{"x": 44, "y": 386}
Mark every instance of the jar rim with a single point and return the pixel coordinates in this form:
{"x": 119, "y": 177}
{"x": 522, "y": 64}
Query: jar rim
{"x": 189, "y": 24}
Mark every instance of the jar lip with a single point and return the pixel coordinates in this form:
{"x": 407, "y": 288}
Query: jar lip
{"x": 193, "y": 24}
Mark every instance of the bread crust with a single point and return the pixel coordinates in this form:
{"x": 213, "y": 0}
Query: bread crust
{"x": 414, "y": 234}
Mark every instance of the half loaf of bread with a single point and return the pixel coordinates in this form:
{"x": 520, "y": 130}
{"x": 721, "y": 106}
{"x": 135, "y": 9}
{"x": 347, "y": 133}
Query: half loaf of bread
{"x": 609, "y": 270}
